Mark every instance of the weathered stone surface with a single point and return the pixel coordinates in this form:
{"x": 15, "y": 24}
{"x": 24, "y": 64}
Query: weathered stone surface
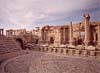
{"x": 80, "y": 47}
{"x": 71, "y": 46}
{"x": 58, "y": 40}
{"x": 63, "y": 46}
{"x": 37, "y": 62}
{"x": 90, "y": 48}
{"x": 8, "y": 45}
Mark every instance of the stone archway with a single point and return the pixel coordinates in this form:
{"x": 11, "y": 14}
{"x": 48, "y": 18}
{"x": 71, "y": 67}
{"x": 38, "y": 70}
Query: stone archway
{"x": 20, "y": 42}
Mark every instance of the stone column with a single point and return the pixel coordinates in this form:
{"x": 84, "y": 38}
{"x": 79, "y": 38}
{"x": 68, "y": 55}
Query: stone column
{"x": 64, "y": 35}
{"x": 14, "y": 32}
{"x": 98, "y": 34}
{"x": 1, "y": 32}
{"x": 42, "y": 31}
{"x": 79, "y": 34}
{"x": 44, "y": 35}
{"x": 6, "y": 33}
{"x": 94, "y": 37}
{"x": 61, "y": 35}
{"x": 70, "y": 34}
{"x": 58, "y": 39}
{"x": 87, "y": 29}
{"x": 10, "y": 33}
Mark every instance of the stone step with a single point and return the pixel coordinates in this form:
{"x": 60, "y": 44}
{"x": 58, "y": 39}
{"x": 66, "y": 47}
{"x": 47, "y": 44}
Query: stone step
{"x": 8, "y": 45}
{"x": 4, "y": 51}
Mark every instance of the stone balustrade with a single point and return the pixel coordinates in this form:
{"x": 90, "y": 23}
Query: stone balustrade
{"x": 69, "y": 52}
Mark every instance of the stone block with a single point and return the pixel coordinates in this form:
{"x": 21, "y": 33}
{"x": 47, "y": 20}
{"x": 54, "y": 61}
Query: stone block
{"x": 62, "y": 46}
{"x": 97, "y": 53}
{"x": 84, "y": 52}
{"x": 49, "y": 50}
{"x": 67, "y": 51}
{"x": 45, "y": 49}
{"x": 80, "y": 52}
{"x": 56, "y": 50}
{"x": 70, "y": 51}
{"x": 80, "y": 47}
{"x": 90, "y": 48}
{"x": 77, "y": 52}
{"x": 61, "y": 50}
{"x": 71, "y": 46}
{"x": 52, "y": 49}
{"x": 92, "y": 53}
{"x": 64, "y": 51}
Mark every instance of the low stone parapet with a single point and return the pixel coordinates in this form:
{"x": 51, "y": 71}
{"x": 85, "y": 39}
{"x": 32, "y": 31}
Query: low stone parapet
{"x": 80, "y": 47}
{"x": 71, "y": 46}
{"x": 97, "y": 53}
{"x": 93, "y": 53}
{"x": 84, "y": 52}
{"x": 90, "y": 48}
{"x": 70, "y": 52}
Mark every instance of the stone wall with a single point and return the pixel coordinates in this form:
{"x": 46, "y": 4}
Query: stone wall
{"x": 65, "y": 51}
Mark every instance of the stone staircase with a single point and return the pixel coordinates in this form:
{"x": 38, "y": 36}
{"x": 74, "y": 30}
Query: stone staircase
{"x": 8, "y": 45}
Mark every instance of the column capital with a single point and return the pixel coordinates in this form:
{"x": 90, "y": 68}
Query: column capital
{"x": 86, "y": 16}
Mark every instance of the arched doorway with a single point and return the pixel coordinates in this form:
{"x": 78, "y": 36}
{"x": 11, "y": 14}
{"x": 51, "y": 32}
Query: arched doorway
{"x": 19, "y": 42}
{"x": 51, "y": 40}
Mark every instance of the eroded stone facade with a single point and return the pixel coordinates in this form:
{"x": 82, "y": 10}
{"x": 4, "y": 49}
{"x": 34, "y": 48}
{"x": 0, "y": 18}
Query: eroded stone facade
{"x": 22, "y": 34}
{"x": 81, "y": 40}
{"x": 85, "y": 32}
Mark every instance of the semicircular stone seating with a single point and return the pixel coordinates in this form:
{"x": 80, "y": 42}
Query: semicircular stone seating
{"x": 8, "y": 45}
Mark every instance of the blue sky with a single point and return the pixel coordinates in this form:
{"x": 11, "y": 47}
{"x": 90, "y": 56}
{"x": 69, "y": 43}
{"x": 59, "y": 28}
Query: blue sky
{"x": 33, "y": 13}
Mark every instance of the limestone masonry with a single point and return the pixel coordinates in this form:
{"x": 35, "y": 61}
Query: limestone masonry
{"x": 34, "y": 48}
{"x": 83, "y": 33}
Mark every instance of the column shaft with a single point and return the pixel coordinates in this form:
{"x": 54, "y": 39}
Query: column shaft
{"x": 71, "y": 34}
{"x": 0, "y": 32}
{"x": 98, "y": 34}
{"x": 87, "y": 29}
{"x": 64, "y": 35}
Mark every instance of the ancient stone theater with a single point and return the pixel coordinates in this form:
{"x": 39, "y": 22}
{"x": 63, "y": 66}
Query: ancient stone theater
{"x": 70, "y": 48}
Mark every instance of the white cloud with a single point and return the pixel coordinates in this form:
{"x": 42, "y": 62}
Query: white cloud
{"x": 42, "y": 16}
{"x": 28, "y": 12}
